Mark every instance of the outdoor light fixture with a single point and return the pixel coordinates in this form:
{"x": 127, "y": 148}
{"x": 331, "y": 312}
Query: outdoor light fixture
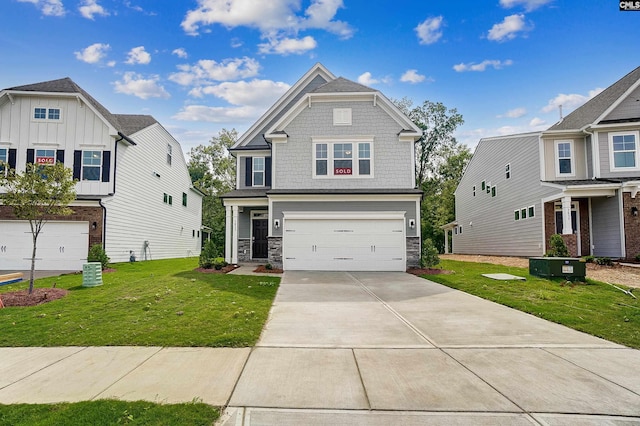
{"x": 94, "y": 225}
{"x": 634, "y": 211}
{"x": 276, "y": 223}
{"x": 412, "y": 223}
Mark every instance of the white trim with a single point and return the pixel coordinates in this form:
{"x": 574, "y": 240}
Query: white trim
{"x": 342, "y": 197}
{"x": 612, "y": 165}
{"x": 46, "y": 118}
{"x": 330, "y": 142}
{"x": 590, "y": 226}
{"x": 254, "y": 171}
{"x": 618, "y": 101}
{"x": 596, "y": 154}
{"x": 571, "y": 157}
{"x": 623, "y": 244}
{"x": 342, "y": 117}
{"x": 344, "y": 215}
{"x": 245, "y": 202}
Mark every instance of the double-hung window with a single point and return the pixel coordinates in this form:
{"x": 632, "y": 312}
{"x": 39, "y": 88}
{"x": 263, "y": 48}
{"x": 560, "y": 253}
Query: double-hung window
{"x": 91, "y": 165}
{"x": 624, "y": 150}
{"x": 258, "y": 171}
{"x": 45, "y": 157}
{"x": 564, "y": 158}
{"x": 335, "y": 159}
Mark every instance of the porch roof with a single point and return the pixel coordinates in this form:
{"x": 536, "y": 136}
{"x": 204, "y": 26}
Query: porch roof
{"x": 246, "y": 193}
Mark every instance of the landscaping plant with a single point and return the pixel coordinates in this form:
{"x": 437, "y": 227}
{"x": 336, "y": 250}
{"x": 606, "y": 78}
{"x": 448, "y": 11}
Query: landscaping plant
{"x": 97, "y": 254}
{"x": 558, "y": 247}
{"x": 429, "y": 257}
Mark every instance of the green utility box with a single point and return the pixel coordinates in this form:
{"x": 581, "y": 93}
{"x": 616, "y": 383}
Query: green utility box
{"x": 566, "y": 267}
{"x": 91, "y": 274}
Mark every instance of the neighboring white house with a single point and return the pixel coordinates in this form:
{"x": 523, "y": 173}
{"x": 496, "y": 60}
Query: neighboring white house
{"x": 134, "y": 193}
{"x": 325, "y": 181}
{"x": 580, "y": 178}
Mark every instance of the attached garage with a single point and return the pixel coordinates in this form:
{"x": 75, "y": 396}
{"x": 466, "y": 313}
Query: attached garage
{"x": 354, "y": 241}
{"x": 61, "y": 245}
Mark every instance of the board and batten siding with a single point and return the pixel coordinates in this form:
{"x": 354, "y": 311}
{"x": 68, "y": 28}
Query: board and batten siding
{"x": 605, "y": 211}
{"x": 409, "y": 207}
{"x": 391, "y": 159}
{"x": 137, "y": 212}
{"x": 488, "y": 224}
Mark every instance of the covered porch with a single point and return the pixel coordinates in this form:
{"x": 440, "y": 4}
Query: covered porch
{"x": 246, "y": 226}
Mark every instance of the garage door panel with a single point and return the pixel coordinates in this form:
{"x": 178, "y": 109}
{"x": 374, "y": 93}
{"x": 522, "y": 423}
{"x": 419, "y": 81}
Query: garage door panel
{"x": 344, "y": 244}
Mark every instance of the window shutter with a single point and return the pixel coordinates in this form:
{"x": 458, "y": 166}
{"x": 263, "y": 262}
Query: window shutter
{"x": 106, "y": 165}
{"x": 77, "y": 164}
{"x": 248, "y": 172}
{"x": 267, "y": 171}
{"x": 60, "y": 156}
{"x": 30, "y": 156}
{"x": 12, "y": 158}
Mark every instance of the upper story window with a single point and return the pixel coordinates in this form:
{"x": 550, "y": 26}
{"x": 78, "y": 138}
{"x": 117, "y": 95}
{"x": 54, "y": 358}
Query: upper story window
{"x": 624, "y": 150}
{"x": 564, "y": 158}
{"x": 91, "y": 165}
{"x": 342, "y": 116}
{"x": 169, "y": 153}
{"x": 40, "y": 113}
{"x": 342, "y": 159}
{"x": 184, "y": 199}
{"x": 507, "y": 171}
{"x": 45, "y": 157}
{"x": 258, "y": 171}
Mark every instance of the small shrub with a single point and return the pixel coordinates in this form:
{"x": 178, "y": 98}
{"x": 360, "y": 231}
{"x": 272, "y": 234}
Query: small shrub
{"x": 219, "y": 263}
{"x": 268, "y": 266}
{"x": 558, "y": 247}
{"x": 604, "y": 261}
{"x": 638, "y": 257}
{"x": 208, "y": 254}
{"x": 429, "y": 257}
{"x": 588, "y": 259}
{"x": 97, "y": 254}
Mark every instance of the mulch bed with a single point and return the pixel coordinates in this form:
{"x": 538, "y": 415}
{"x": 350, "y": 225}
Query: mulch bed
{"x": 263, "y": 269}
{"x": 38, "y": 297}
{"x": 427, "y": 271}
{"x": 224, "y": 270}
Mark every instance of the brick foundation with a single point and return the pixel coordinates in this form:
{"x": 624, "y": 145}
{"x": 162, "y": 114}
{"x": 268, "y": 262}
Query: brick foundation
{"x": 631, "y": 225}
{"x": 550, "y": 227}
{"x": 571, "y": 240}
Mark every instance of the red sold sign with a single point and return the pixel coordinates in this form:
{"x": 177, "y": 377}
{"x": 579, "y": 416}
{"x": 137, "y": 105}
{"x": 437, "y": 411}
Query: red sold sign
{"x": 342, "y": 171}
{"x": 45, "y": 160}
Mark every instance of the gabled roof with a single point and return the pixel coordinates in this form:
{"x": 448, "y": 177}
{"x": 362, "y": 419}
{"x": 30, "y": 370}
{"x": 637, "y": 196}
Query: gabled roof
{"x": 596, "y": 108}
{"x": 342, "y": 85}
{"x": 124, "y": 124}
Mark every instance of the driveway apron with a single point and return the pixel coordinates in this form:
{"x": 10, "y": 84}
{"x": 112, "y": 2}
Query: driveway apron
{"x": 391, "y": 348}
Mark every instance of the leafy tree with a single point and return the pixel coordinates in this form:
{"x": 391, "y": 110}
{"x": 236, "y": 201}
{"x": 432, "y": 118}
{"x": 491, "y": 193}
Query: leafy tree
{"x": 213, "y": 171}
{"x": 36, "y": 195}
{"x": 438, "y": 123}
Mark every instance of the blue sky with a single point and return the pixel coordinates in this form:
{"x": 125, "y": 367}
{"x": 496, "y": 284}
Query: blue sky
{"x": 199, "y": 66}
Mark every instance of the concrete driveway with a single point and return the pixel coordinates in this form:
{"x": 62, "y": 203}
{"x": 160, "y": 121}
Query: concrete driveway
{"x": 391, "y": 348}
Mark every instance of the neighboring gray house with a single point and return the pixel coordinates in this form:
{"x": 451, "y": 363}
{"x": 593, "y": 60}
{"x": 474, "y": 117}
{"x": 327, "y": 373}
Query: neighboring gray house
{"x": 580, "y": 178}
{"x": 325, "y": 181}
{"x": 134, "y": 192}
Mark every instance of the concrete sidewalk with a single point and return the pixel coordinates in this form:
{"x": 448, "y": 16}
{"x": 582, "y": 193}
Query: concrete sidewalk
{"x": 361, "y": 349}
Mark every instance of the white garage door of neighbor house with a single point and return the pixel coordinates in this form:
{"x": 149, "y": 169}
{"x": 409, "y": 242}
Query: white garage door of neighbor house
{"x": 344, "y": 244}
{"x": 61, "y": 246}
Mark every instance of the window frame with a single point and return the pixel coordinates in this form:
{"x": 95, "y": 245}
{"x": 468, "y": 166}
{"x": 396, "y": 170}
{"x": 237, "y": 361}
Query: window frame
{"x": 571, "y": 157}
{"x": 507, "y": 171}
{"x": 612, "y": 164}
{"x": 255, "y": 172}
{"x": 516, "y": 214}
{"x": 330, "y": 158}
{"x": 47, "y": 163}
{"x": 46, "y": 113}
{"x": 531, "y": 211}
{"x": 184, "y": 199}
{"x": 98, "y": 166}
{"x": 169, "y": 154}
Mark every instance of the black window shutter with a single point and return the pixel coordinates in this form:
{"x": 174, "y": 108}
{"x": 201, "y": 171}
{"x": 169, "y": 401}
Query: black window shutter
{"x": 106, "y": 165}
{"x": 60, "y": 156}
{"x": 267, "y": 171}
{"x": 248, "y": 172}
{"x": 12, "y": 158}
{"x": 77, "y": 164}
{"x": 30, "y": 156}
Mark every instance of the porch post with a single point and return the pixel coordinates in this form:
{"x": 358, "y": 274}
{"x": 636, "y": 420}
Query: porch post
{"x": 227, "y": 234}
{"x": 566, "y": 215}
{"x": 446, "y": 241}
{"x": 234, "y": 252}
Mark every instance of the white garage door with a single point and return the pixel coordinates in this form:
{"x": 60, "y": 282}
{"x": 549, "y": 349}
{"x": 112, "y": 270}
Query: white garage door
{"x": 344, "y": 244}
{"x": 61, "y": 246}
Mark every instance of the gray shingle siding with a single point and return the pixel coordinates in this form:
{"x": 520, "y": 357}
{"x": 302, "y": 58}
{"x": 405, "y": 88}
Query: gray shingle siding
{"x": 391, "y": 158}
{"x": 606, "y": 213}
{"x": 487, "y": 222}
{"x": 628, "y": 108}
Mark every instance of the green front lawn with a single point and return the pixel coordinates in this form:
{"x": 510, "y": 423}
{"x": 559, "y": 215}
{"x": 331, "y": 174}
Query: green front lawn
{"x": 595, "y": 308}
{"x": 152, "y": 303}
{"x": 107, "y": 413}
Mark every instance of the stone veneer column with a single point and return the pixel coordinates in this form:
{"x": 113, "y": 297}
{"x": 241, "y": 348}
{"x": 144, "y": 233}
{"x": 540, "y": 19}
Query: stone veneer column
{"x": 275, "y": 251}
{"x": 413, "y": 252}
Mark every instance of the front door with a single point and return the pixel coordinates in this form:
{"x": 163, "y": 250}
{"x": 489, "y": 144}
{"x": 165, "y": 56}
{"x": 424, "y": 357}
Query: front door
{"x": 259, "y": 246}
{"x": 574, "y": 222}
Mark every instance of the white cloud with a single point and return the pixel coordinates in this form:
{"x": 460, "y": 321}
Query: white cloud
{"x": 529, "y": 5}
{"x": 93, "y": 54}
{"x": 180, "y": 53}
{"x": 508, "y": 29}
{"x": 412, "y": 76}
{"x": 367, "y": 79}
{"x": 90, "y": 8}
{"x": 537, "y": 122}
{"x": 286, "y": 46}
{"x": 257, "y": 93}
{"x": 138, "y": 55}
{"x": 206, "y": 71}
{"x": 569, "y": 101}
{"x": 514, "y": 113}
{"x": 216, "y": 114}
{"x": 144, "y": 88}
{"x": 429, "y": 31}
{"x": 48, "y": 7}
{"x": 270, "y": 17}
{"x": 482, "y": 66}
